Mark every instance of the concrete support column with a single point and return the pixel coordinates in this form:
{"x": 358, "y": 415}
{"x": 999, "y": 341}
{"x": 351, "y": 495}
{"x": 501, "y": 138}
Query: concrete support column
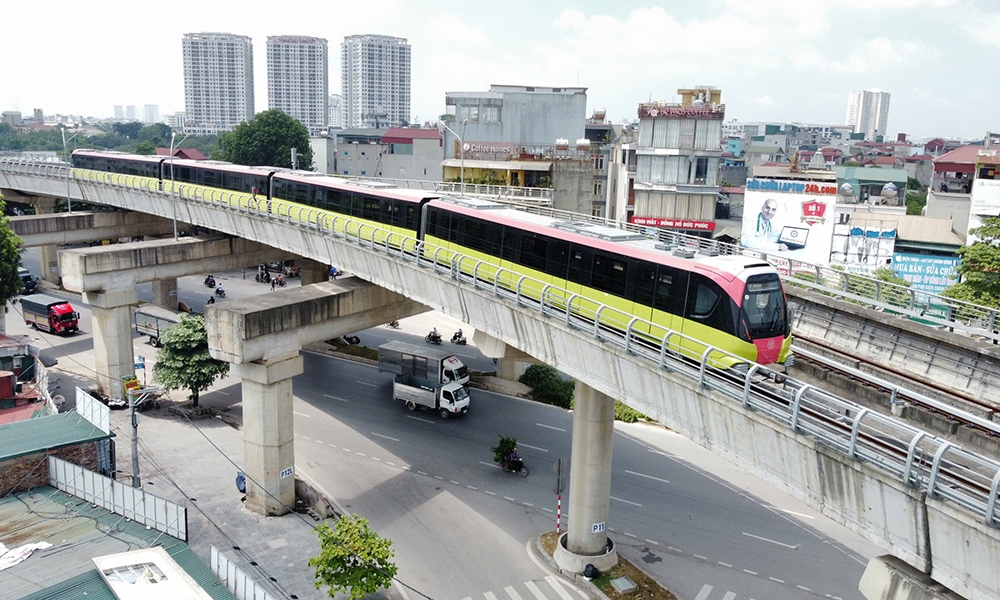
{"x": 509, "y": 369}
{"x": 586, "y": 538}
{"x": 50, "y": 255}
{"x": 312, "y": 271}
{"x": 165, "y": 293}
{"x": 112, "y": 327}
{"x": 268, "y": 442}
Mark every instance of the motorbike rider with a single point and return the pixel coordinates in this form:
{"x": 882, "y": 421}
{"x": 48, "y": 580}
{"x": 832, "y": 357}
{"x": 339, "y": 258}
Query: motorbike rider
{"x": 434, "y": 333}
{"x": 220, "y": 292}
{"x": 513, "y": 460}
{"x": 458, "y": 335}
{"x": 210, "y": 281}
{"x": 211, "y": 300}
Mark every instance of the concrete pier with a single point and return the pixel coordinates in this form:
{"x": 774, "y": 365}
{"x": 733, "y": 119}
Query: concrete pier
{"x": 586, "y": 540}
{"x": 113, "y": 355}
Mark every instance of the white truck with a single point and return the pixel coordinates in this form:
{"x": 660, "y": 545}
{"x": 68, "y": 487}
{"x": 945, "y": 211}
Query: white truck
{"x": 447, "y": 400}
{"x": 435, "y": 365}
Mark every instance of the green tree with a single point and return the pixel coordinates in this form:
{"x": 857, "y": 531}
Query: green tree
{"x": 353, "y": 558}
{"x": 547, "y": 386}
{"x": 184, "y": 361}
{"x": 146, "y": 148}
{"x": 851, "y": 163}
{"x": 503, "y": 448}
{"x": 158, "y": 133}
{"x": 915, "y": 202}
{"x": 267, "y": 139}
{"x": 980, "y": 267}
{"x": 128, "y": 130}
{"x": 11, "y": 247}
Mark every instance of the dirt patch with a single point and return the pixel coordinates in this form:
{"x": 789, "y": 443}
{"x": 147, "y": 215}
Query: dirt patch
{"x": 646, "y": 587}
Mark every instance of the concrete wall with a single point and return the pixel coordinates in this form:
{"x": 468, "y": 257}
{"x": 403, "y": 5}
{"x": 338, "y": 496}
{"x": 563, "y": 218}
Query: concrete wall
{"x": 952, "y": 206}
{"x": 857, "y": 495}
{"x": 573, "y": 185}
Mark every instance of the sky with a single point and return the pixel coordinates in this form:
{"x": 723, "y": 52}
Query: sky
{"x": 774, "y": 60}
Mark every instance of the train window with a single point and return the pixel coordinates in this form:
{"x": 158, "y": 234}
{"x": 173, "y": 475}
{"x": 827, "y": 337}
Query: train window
{"x": 475, "y": 234}
{"x": 511, "y": 243}
{"x": 353, "y": 205}
{"x": 371, "y": 208}
{"x": 645, "y": 284}
{"x": 581, "y": 260}
{"x": 670, "y": 291}
{"x": 279, "y": 189}
{"x": 456, "y": 233}
{"x": 301, "y": 193}
{"x": 558, "y": 259}
{"x": 411, "y": 217}
{"x": 609, "y": 273}
{"x": 333, "y": 198}
{"x": 208, "y": 178}
{"x": 494, "y": 238}
{"x": 710, "y": 305}
{"x": 533, "y": 251}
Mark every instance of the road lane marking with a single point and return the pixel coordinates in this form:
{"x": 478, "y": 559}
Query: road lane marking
{"x": 528, "y": 504}
{"x": 547, "y": 509}
{"x": 631, "y": 535}
{"x": 700, "y": 556}
{"x": 346, "y": 449}
{"x": 781, "y": 581}
{"x": 652, "y": 542}
{"x": 764, "y": 539}
{"x": 803, "y": 588}
{"x": 365, "y": 383}
{"x": 749, "y": 571}
{"x": 533, "y": 447}
{"x": 318, "y": 442}
{"x": 421, "y": 472}
{"x": 376, "y": 458}
{"x": 362, "y": 455}
{"x": 439, "y": 478}
{"x": 508, "y": 498}
{"x": 675, "y": 549}
{"x": 221, "y": 392}
{"x": 472, "y": 488}
{"x": 626, "y": 501}
{"x": 489, "y": 464}
{"x": 558, "y": 588}
{"x": 452, "y": 481}
{"x": 334, "y": 397}
{"x": 489, "y": 492}
{"x": 796, "y": 514}
{"x": 419, "y": 419}
{"x": 301, "y": 414}
{"x": 725, "y": 564}
{"x": 646, "y": 476}
{"x": 390, "y": 463}
{"x": 385, "y": 436}
{"x": 512, "y": 593}
{"x": 729, "y": 596}
{"x": 307, "y": 438}
{"x": 705, "y": 591}
{"x": 551, "y": 427}
{"x": 490, "y": 596}
{"x": 537, "y": 593}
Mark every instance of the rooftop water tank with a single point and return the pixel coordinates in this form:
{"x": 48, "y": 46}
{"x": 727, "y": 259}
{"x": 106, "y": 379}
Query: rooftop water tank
{"x": 562, "y": 144}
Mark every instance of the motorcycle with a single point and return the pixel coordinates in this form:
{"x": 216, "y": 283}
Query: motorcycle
{"x": 352, "y": 340}
{"x": 459, "y": 339}
{"x": 262, "y": 277}
{"x": 392, "y": 324}
{"x": 433, "y": 338}
{"x": 221, "y": 293}
{"x": 209, "y": 282}
{"x": 281, "y": 282}
{"x": 514, "y": 466}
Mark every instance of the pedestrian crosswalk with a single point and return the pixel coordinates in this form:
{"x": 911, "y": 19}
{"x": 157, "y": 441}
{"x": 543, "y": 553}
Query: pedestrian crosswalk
{"x": 706, "y": 594}
{"x": 549, "y": 588}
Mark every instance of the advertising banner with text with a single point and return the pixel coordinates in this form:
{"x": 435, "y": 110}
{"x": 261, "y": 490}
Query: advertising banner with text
{"x": 791, "y": 219}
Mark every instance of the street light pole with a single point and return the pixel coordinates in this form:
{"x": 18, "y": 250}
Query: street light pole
{"x": 173, "y": 197}
{"x": 69, "y": 202}
{"x": 461, "y": 145}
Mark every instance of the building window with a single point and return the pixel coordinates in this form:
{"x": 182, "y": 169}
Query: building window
{"x": 362, "y": 173}
{"x": 700, "y": 170}
{"x": 598, "y": 188}
{"x": 362, "y": 154}
{"x": 599, "y": 162}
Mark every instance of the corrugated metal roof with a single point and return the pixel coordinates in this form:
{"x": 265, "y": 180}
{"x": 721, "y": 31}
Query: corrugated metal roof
{"x": 46, "y": 433}
{"x": 967, "y": 155}
{"x": 79, "y": 531}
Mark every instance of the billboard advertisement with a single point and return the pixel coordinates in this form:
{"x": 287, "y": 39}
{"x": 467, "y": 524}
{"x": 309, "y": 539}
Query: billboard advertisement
{"x": 674, "y": 223}
{"x": 863, "y": 246}
{"x": 925, "y": 272}
{"x": 791, "y": 219}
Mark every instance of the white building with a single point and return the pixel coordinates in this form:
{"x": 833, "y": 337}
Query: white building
{"x": 130, "y": 113}
{"x": 335, "y": 115}
{"x": 868, "y": 112}
{"x": 218, "y": 81}
{"x": 375, "y": 74}
{"x": 176, "y": 121}
{"x": 150, "y": 114}
{"x": 119, "y": 112}
{"x": 298, "y": 79}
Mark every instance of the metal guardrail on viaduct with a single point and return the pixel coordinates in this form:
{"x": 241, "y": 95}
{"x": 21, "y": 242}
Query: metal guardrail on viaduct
{"x": 929, "y": 502}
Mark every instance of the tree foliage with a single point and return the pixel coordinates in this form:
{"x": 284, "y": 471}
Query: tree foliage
{"x": 145, "y": 148}
{"x": 184, "y": 361}
{"x": 353, "y": 558}
{"x": 129, "y": 131}
{"x": 503, "y": 448}
{"x": 980, "y": 267}
{"x": 267, "y": 139}
{"x": 546, "y": 386}
{"x": 915, "y": 202}
{"x": 11, "y": 247}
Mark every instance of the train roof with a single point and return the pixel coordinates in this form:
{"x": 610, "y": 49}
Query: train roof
{"x": 603, "y": 237}
{"x": 339, "y": 183}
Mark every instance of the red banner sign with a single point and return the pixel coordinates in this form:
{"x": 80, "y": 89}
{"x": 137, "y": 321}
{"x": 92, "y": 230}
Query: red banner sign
{"x": 674, "y": 223}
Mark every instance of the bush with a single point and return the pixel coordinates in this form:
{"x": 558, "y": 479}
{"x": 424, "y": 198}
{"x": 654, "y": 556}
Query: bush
{"x": 547, "y": 387}
{"x": 501, "y": 450}
{"x": 627, "y": 414}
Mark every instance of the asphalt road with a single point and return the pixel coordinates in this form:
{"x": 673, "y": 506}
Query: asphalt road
{"x": 697, "y": 523}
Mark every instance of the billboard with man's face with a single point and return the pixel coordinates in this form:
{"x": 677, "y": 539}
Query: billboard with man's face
{"x": 792, "y": 219}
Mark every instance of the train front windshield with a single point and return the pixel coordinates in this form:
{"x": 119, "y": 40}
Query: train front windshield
{"x": 764, "y": 309}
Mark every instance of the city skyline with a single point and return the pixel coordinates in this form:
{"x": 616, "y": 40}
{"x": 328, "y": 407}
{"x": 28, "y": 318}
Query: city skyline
{"x": 624, "y": 55}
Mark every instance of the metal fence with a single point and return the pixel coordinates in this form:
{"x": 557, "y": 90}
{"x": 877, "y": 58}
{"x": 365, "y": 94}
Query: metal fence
{"x": 161, "y": 515}
{"x": 235, "y": 580}
{"x": 917, "y": 458}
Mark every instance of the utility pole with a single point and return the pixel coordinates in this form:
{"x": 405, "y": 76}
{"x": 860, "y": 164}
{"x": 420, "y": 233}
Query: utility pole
{"x": 135, "y": 440}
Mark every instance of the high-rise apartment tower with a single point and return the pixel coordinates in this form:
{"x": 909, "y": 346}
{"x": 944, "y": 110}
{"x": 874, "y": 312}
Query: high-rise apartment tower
{"x": 298, "y": 79}
{"x": 218, "y": 81}
{"x": 375, "y": 73}
{"x": 868, "y": 112}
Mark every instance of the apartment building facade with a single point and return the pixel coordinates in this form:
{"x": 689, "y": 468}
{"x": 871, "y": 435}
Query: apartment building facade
{"x": 298, "y": 79}
{"x": 218, "y": 82}
{"x": 375, "y": 75}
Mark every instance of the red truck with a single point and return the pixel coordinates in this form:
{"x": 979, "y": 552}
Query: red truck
{"x": 49, "y": 313}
